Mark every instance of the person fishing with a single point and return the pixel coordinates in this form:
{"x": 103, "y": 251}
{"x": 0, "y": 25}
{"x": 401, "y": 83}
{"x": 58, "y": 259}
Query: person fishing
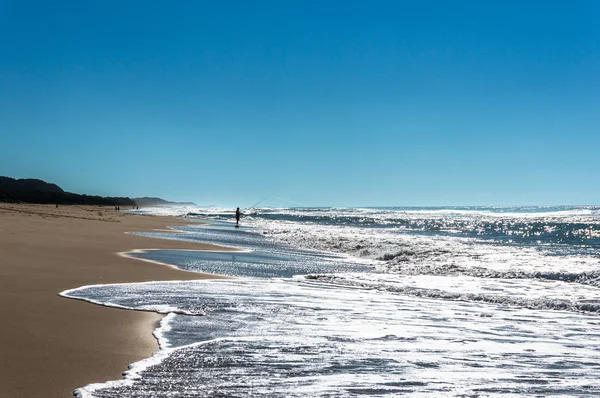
{"x": 237, "y": 217}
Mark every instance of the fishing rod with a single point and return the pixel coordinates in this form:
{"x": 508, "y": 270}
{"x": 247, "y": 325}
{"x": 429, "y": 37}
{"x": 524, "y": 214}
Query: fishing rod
{"x": 257, "y": 203}
{"x": 291, "y": 201}
{"x": 278, "y": 198}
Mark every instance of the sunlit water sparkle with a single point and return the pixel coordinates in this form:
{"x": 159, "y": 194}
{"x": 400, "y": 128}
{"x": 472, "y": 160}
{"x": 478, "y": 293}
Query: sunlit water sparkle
{"x": 473, "y": 302}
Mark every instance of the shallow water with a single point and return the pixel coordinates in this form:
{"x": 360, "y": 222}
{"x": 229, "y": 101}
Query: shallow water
{"x": 455, "y": 308}
{"x": 258, "y": 264}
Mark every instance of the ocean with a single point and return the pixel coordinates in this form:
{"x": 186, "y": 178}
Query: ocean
{"x": 373, "y": 302}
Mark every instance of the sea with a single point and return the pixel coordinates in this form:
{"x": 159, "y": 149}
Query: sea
{"x": 371, "y": 302}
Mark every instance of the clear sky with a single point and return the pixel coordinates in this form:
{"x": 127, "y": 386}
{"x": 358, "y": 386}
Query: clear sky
{"x": 340, "y": 103}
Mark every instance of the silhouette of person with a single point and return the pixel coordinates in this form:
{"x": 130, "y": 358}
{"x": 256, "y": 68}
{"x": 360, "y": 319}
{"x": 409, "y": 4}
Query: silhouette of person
{"x": 237, "y": 216}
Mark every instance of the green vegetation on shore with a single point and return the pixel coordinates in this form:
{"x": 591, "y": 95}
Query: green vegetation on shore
{"x": 29, "y": 190}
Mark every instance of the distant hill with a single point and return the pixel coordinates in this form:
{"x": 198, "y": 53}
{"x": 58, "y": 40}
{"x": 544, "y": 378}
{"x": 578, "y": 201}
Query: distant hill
{"x": 29, "y": 190}
{"x": 29, "y": 184}
{"x": 146, "y": 202}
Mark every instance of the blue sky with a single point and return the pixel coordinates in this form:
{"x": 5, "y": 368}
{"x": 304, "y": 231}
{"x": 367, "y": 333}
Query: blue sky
{"x": 321, "y": 102}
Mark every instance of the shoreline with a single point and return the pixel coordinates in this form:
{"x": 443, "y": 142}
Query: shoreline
{"x": 128, "y": 255}
{"x": 51, "y": 345}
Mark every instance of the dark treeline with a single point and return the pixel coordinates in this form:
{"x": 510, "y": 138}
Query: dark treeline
{"x": 38, "y": 191}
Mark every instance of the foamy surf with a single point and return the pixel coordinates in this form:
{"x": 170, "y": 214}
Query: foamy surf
{"x": 374, "y": 302}
{"x": 291, "y": 337}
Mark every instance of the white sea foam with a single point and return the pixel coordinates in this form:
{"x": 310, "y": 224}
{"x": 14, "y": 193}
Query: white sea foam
{"x": 573, "y": 213}
{"x": 466, "y": 302}
{"x": 296, "y": 338}
{"x": 405, "y": 252}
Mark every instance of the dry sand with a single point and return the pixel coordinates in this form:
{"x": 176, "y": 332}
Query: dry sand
{"x": 51, "y": 345}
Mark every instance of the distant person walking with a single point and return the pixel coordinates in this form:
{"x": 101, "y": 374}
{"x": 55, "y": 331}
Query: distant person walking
{"x": 237, "y": 217}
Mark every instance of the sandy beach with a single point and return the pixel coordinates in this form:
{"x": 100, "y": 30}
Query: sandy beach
{"x": 50, "y": 345}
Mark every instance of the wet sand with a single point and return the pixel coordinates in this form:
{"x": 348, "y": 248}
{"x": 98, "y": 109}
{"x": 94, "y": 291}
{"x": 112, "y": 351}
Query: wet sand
{"x": 51, "y": 345}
